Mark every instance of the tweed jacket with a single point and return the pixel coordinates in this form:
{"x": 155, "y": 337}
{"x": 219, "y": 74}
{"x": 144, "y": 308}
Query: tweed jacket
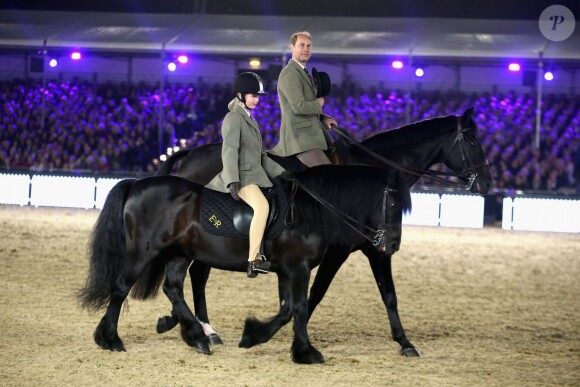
{"x": 243, "y": 159}
{"x": 300, "y": 129}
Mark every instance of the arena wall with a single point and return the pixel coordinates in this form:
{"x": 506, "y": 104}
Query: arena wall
{"x": 430, "y": 208}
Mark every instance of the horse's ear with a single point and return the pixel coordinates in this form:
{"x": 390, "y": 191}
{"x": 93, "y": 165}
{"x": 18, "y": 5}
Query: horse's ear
{"x": 466, "y": 117}
{"x": 405, "y": 193}
{"x": 407, "y": 197}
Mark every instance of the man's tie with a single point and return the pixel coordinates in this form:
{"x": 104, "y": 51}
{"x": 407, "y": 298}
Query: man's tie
{"x": 310, "y": 77}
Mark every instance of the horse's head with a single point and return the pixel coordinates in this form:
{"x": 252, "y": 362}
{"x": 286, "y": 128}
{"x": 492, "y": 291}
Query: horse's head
{"x": 352, "y": 204}
{"x": 465, "y": 155}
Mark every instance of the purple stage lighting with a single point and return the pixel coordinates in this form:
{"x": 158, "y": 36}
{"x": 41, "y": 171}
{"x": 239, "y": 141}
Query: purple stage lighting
{"x": 75, "y": 55}
{"x": 419, "y": 72}
{"x": 548, "y": 76}
{"x": 514, "y": 67}
{"x": 397, "y": 64}
{"x": 182, "y": 59}
{"x": 171, "y": 66}
{"x": 53, "y": 63}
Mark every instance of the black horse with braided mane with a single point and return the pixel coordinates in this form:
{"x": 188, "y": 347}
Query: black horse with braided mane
{"x": 151, "y": 229}
{"x": 450, "y": 140}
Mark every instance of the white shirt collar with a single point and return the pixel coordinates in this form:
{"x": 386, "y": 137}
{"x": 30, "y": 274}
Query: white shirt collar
{"x": 299, "y": 64}
{"x": 241, "y": 104}
{"x": 248, "y": 112}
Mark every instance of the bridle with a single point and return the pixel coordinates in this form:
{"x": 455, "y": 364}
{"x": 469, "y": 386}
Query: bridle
{"x": 377, "y": 236}
{"x": 469, "y": 172}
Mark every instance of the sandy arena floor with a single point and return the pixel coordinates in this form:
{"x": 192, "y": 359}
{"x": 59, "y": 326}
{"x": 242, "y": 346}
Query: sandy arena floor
{"x": 484, "y": 307}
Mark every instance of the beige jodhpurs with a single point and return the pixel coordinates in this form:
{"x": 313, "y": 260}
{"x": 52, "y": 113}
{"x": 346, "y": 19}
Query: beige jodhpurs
{"x": 313, "y": 157}
{"x": 252, "y": 195}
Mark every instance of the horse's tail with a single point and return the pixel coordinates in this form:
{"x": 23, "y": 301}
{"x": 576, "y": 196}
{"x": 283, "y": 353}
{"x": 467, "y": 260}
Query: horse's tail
{"x": 168, "y": 164}
{"x": 107, "y": 249}
{"x": 149, "y": 281}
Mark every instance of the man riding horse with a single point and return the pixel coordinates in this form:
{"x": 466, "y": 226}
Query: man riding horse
{"x": 302, "y": 131}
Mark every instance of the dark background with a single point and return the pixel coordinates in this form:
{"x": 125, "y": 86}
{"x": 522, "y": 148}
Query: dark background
{"x": 470, "y": 9}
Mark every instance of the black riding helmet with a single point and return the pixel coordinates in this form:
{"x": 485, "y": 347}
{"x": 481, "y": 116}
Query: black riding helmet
{"x": 248, "y": 82}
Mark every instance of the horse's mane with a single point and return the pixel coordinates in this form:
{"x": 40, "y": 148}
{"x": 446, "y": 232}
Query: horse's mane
{"x": 356, "y": 190}
{"x": 409, "y": 135}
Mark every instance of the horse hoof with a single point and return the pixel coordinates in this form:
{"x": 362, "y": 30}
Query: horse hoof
{"x": 114, "y": 344}
{"x": 165, "y": 324}
{"x": 308, "y": 360}
{"x": 312, "y": 356}
{"x": 245, "y": 342}
{"x": 410, "y": 352}
{"x": 255, "y": 333}
{"x": 215, "y": 339}
{"x": 202, "y": 346}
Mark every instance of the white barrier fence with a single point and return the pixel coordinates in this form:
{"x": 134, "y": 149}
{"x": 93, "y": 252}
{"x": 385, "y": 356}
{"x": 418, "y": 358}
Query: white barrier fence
{"x": 541, "y": 214}
{"x": 55, "y": 191}
{"x": 429, "y": 209}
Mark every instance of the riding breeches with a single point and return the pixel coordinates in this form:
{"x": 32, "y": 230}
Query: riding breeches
{"x": 252, "y": 195}
{"x": 313, "y": 157}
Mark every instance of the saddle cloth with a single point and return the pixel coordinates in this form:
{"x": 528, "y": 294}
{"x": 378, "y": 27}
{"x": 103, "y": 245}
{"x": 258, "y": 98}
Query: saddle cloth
{"x": 222, "y": 215}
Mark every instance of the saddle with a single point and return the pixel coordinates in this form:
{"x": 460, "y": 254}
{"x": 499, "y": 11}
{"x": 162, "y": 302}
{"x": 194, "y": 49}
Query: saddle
{"x": 337, "y": 153}
{"x": 222, "y": 215}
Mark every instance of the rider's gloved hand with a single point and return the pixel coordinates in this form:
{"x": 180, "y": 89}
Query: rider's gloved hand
{"x": 234, "y": 189}
{"x": 328, "y": 121}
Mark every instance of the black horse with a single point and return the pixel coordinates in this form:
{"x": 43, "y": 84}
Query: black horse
{"x": 150, "y": 228}
{"x": 451, "y": 140}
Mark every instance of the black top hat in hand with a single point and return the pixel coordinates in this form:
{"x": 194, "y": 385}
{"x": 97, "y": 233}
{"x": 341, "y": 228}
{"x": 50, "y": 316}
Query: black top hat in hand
{"x": 322, "y": 83}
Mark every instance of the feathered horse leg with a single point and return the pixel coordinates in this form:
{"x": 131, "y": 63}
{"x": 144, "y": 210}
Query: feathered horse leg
{"x": 191, "y": 330}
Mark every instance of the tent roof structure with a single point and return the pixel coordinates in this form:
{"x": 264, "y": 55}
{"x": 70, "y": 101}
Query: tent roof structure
{"x": 243, "y": 35}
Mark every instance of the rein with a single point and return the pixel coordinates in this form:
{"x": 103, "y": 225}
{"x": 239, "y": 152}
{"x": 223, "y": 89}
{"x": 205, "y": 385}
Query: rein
{"x": 467, "y": 173}
{"x": 378, "y": 235}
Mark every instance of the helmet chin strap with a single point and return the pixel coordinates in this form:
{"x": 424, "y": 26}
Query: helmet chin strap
{"x": 242, "y": 99}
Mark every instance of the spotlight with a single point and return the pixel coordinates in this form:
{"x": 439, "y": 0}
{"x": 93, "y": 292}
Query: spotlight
{"x": 75, "y": 55}
{"x": 171, "y": 66}
{"x": 255, "y": 63}
{"x": 548, "y": 76}
{"x": 397, "y": 64}
{"x": 53, "y": 63}
{"x": 514, "y": 67}
{"x": 419, "y": 72}
{"x": 182, "y": 59}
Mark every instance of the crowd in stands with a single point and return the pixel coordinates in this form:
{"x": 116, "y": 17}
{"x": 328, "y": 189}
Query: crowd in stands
{"x": 112, "y": 128}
